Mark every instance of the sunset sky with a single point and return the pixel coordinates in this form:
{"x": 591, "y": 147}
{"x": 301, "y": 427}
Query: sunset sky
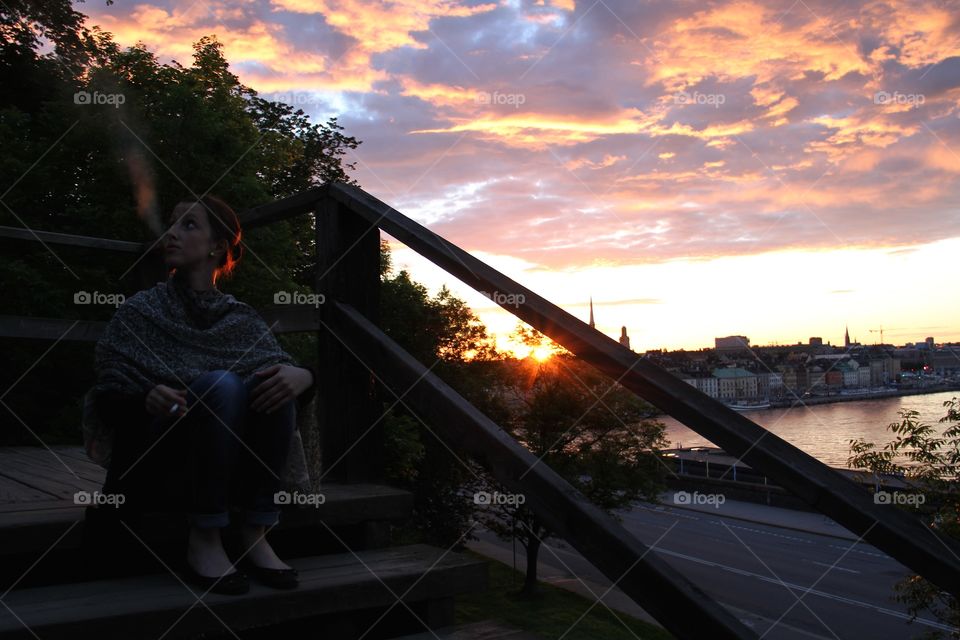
{"x": 776, "y": 170}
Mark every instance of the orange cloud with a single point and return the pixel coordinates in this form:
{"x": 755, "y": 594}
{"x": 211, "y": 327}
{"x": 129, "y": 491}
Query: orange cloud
{"x": 376, "y": 26}
{"x": 171, "y": 33}
{"x": 851, "y": 134}
{"x": 382, "y": 26}
{"x": 538, "y": 130}
{"x": 922, "y": 32}
{"x": 607, "y": 161}
{"x": 440, "y": 94}
{"x": 754, "y": 42}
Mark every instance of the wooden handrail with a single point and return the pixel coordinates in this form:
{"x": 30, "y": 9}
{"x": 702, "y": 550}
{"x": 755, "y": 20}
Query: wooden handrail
{"x": 88, "y": 242}
{"x": 900, "y": 534}
{"x": 280, "y": 318}
{"x": 261, "y": 215}
{"x": 678, "y": 604}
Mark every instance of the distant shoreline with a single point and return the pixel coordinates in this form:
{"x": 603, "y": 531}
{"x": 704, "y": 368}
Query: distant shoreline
{"x": 892, "y": 393}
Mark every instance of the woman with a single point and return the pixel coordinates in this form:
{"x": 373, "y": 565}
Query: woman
{"x": 187, "y": 373}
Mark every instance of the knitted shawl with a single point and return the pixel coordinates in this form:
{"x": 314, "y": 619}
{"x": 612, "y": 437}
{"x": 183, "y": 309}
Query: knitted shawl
{"x": 170, "y": 334}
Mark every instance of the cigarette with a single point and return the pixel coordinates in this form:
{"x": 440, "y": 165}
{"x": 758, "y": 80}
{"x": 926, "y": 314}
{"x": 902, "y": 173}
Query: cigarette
{"x": 174, "y": 408}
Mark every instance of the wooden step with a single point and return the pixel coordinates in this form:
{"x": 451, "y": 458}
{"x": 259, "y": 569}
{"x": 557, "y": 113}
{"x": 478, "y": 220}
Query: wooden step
{"x": 483, "y": 630}
{"x": 162, "y": 605}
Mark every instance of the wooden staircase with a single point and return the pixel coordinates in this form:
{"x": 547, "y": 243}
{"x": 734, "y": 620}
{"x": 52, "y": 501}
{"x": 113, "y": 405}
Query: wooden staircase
{"x": 46, "y": 545}
{"x": 68, "y": 569}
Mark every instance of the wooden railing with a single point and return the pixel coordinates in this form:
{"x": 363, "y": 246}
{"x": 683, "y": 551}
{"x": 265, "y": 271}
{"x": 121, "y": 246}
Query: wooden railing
{"x": 355, "y": 354}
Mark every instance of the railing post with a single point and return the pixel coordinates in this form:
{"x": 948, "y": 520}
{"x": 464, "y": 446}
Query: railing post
{"x": 150, "y": 270}
{"x": 348, "y": 410}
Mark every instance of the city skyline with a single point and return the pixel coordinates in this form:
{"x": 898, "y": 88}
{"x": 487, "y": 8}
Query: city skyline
{"x": 599, "y": 149}
{"x": 790, "y": 320}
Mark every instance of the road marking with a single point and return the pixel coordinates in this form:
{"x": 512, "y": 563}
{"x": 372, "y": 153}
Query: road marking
{"x": 865, "y": 553}
{"x": 830, "y": 566}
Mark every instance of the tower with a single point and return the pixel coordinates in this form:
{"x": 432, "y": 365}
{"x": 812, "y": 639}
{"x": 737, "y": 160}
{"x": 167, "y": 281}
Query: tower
{"x": 846, "y": 337}
{"x": 624, "y": 338}
{"x": 591, "y": 313}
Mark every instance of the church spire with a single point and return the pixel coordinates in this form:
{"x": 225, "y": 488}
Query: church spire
{"x": 591, "y": 312}
{"x": 846, "y": 337}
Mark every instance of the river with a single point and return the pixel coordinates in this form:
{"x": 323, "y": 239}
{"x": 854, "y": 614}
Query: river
{"x": 824, "y": 430}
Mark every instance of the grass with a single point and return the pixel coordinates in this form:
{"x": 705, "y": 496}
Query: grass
{"x": 553, "y": 614}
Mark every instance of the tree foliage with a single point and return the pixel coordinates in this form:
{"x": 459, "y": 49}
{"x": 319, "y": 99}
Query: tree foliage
{"x": 102, "y": 141}
{"x": 583, "y": 425}
{"x": 928, "y": 459}
{"x": 446, "y": 337}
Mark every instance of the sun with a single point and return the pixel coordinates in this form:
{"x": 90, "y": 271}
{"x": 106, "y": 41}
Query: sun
{"x": 541, "y": 353}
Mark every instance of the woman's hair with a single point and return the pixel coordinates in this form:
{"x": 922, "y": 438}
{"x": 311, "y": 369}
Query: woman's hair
{"x": 224, "y": 225}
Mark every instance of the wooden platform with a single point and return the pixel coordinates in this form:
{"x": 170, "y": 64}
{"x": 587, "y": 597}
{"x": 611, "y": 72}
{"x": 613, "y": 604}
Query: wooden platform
{"x": 150, "y": 606}
{"x": 38, "y": 505}
{"x": 39, "y": 477}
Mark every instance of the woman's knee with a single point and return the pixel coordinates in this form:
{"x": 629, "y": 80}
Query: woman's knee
{"x": 220, "y": 382}
{"x": 219, "y": 392}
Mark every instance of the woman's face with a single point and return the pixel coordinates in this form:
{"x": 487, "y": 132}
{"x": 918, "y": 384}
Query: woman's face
{"x": 187, "y": 243}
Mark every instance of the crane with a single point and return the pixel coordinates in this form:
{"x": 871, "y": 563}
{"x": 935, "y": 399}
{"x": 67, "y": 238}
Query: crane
{"x": 880, "y": 330}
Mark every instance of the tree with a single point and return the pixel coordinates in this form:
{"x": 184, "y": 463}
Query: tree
{"x": 586, "y": 427}
{"x": 103, "y": 141}
{"x": 929, "y": 461}
{"x": 446, "y": 337}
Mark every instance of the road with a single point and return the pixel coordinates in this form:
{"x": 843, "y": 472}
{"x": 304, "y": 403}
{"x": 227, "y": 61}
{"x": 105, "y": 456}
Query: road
{"x": 786, "y": 584}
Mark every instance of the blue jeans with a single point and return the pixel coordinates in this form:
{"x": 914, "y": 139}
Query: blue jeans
{"x": 234, "y": 454}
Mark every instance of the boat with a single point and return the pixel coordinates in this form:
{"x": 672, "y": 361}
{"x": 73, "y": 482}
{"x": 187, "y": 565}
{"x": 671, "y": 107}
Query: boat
{"x": 749, "y": 406}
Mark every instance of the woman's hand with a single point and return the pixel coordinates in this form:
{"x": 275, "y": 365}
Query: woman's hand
{"x": 282, "y": 382}
{"x": 161, "y": 398}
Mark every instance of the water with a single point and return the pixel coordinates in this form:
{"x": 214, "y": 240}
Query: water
{"x": 824, "y": 430}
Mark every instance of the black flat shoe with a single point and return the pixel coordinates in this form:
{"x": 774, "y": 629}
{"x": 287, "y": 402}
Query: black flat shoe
{"x": 231, "y": 584}
{"x": 276, "y": 578}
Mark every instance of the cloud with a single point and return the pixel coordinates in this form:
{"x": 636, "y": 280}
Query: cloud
{"x": 631, "y": 133}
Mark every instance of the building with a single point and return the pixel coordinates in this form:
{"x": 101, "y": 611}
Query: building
{"x": 883, "y": 371}
{"x": 945, "y": 361}
{"x": 735, "y": 383}
{"x": 769, "y": 384}
{"x": 732, "y": 344}
{"x": 703, "y": 382}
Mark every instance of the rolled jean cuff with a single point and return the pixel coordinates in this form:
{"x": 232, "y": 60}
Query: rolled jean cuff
{"x": 265, "y": 518}
{"x": 209, "y": 520}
